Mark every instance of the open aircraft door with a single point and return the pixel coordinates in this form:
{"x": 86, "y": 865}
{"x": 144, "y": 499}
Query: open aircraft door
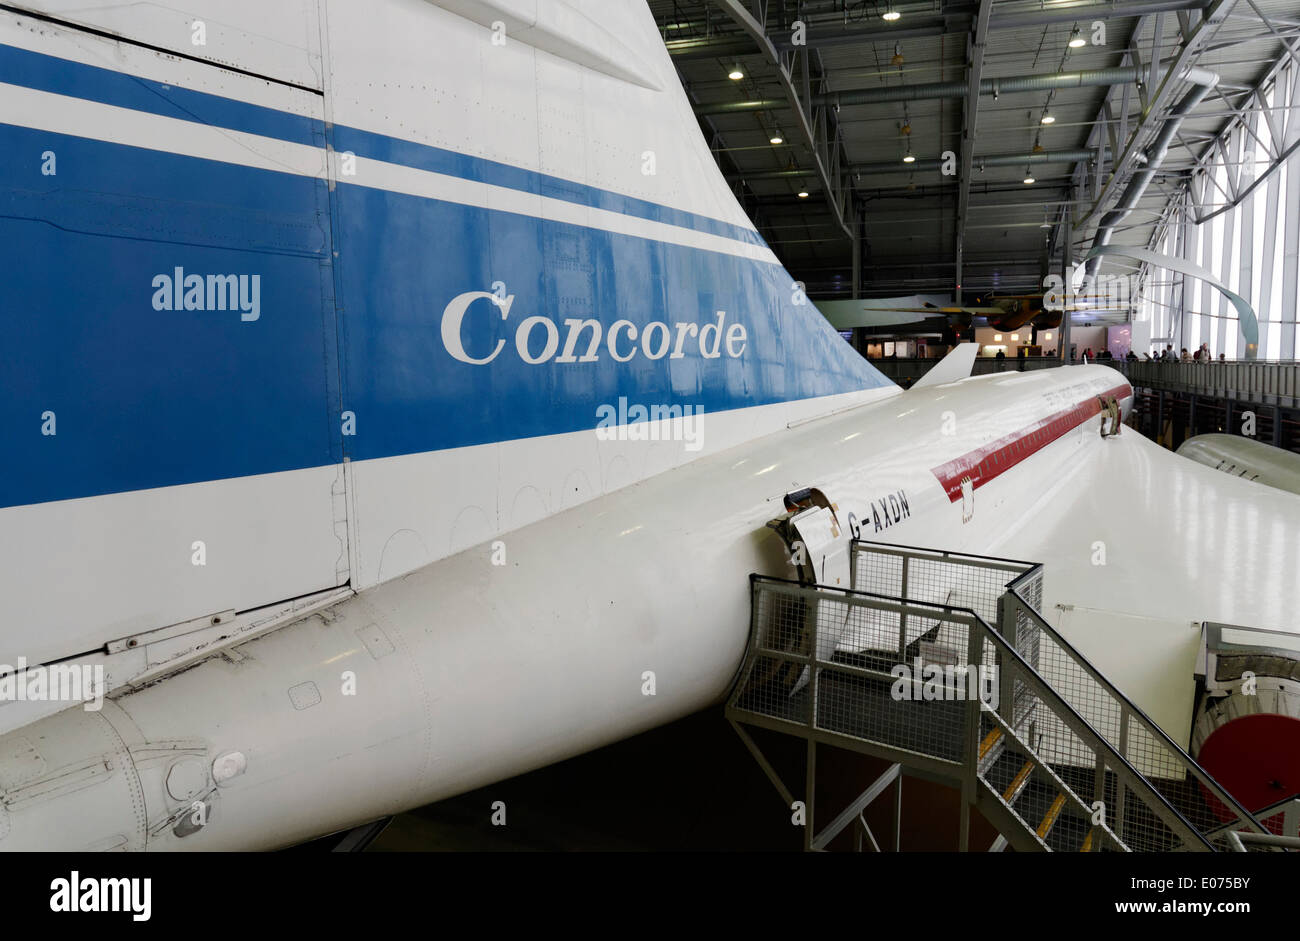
{"x": 819, "y": 550}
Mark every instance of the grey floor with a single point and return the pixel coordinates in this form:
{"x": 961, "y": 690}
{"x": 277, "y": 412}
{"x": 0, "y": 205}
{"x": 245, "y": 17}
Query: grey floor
{"x": 689, "y": 786}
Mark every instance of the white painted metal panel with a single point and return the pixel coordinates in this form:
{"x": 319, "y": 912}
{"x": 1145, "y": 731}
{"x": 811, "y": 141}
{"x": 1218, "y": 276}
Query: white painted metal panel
{"x": 509, "y": 96}
{"x": 130, "y": 557}
{"x": 125, "y": 560}
{"x": 1151, "y": 660}
{"x": 284, "y": 44}
{"x": 414, "y": 509}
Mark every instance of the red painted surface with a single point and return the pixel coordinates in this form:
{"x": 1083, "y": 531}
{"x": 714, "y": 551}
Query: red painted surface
{"x": 1256, "y": 759}
{"x": 997, "y": 457}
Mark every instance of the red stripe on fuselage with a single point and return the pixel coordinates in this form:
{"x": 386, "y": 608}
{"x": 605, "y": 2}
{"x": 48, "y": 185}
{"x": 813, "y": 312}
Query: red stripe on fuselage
{"x": 997, "y": 457}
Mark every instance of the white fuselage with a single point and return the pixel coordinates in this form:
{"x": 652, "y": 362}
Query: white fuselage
{"x": 339, "y": 424}
{"x": 466, "y": 672}
{"x": 1245, "y": 458}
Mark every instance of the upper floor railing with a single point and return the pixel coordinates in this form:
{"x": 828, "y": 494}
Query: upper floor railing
{"x": 1271, "y": 383}
{"x": 902, "y": 370}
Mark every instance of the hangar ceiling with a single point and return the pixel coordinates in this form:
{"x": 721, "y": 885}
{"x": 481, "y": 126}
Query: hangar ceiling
{"x": 832, "y": 96}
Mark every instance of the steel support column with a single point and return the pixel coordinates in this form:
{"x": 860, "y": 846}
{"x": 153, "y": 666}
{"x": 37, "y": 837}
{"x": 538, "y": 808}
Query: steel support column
{"x": 830, "y": 187}
{"x": 1067, "y": 262}
{"x": 975, "y": 44}
{"x": 856, "y": 216}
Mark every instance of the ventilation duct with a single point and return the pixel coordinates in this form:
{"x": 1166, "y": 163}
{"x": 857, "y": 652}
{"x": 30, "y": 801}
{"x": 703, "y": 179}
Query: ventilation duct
{"x": 1150, "y": 160}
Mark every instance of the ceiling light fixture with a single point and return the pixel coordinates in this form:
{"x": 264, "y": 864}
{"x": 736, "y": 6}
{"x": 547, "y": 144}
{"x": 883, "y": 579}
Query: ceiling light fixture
{"x": 910, "y": 158}
{"x": 890, "y": 14}
{"x": 1076, "y": 40}
{"x": 1029, "y": 176}
{"x": 735, "y": 74}
{"x": 1048, "y": 117}
{"x": 777, "y": 138}
{"x": 803, "y": 194}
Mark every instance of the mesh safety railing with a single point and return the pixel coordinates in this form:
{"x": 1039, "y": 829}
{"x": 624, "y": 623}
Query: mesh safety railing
{"x": 1162, "y": 763}
{"x": 1281, "y": 819}
{"x": 943, "y": 577}
{"x": 923, "y": 683}
{"x": 855, "y": 639}
{"x": 900, "y": 659}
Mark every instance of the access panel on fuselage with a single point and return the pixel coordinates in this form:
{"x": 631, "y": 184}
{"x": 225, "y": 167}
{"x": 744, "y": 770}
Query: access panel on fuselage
{"x": 167, "y": 399}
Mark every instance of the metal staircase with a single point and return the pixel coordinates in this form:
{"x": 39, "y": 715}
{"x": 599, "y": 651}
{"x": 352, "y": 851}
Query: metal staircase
{"x": 1030, "y": 802}
{"x": 907, "y": 666}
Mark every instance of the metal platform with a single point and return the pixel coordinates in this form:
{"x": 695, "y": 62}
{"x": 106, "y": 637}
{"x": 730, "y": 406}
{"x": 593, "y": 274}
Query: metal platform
{"x": 907, "y": 666}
